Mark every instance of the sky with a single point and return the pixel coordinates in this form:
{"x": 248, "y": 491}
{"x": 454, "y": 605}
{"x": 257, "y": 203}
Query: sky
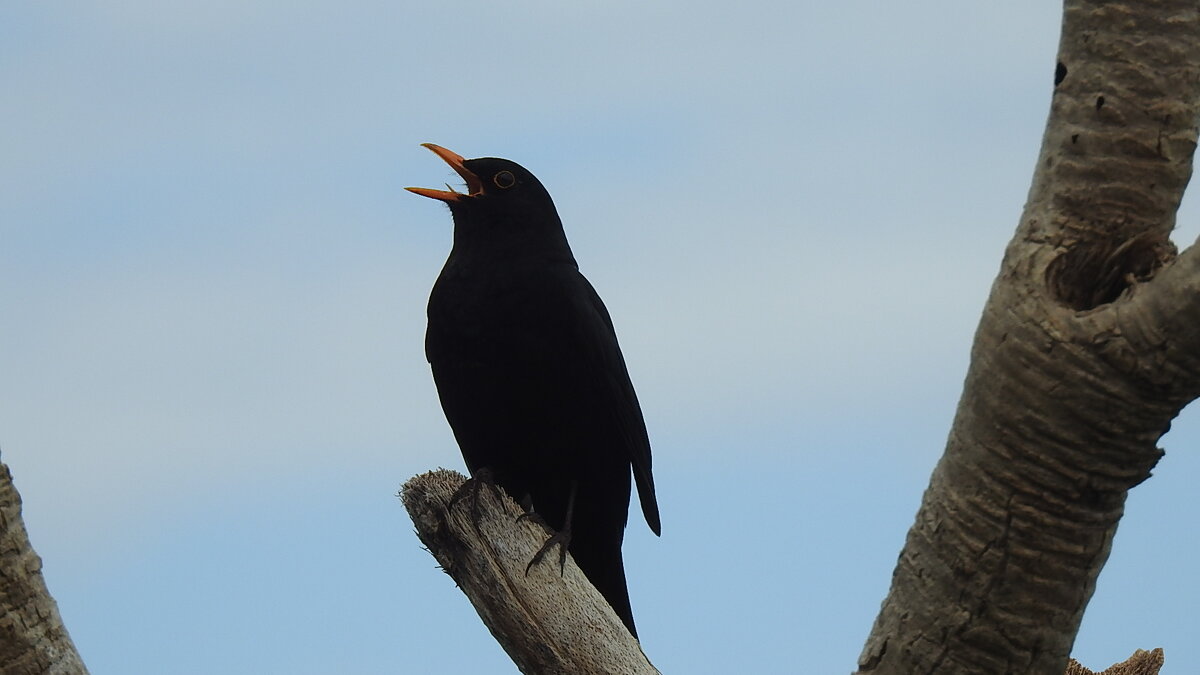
{"x": 213, "y": 285}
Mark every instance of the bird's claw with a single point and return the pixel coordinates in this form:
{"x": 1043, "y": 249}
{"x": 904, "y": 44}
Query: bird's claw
{"x": 560, "y": 539}
{"x": 469, "y": 490}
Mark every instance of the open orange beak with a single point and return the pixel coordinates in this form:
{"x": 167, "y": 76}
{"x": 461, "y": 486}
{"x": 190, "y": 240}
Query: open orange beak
{"x": 474, "y": 185}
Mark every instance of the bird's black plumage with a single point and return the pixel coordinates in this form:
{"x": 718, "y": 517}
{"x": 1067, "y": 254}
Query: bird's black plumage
{"x": 529, "y": 372}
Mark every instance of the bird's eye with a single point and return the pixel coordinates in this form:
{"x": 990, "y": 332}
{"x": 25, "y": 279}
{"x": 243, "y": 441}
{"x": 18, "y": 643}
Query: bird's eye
{"x": 504, "y": 180}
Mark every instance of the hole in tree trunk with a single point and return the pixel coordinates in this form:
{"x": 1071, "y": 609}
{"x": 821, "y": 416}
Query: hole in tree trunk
{"x": 1092, "y": 272}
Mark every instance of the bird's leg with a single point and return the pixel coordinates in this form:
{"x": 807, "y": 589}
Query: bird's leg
{"x": 562, "y": 538}
{"x": 469, "y": 490}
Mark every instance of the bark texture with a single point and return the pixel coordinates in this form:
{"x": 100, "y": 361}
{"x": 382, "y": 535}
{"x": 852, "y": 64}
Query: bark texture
{"x": 1087, "y": 348}
{"x": 548, "y": 622}
{"x": 33, "y": 640}
{"x": 1141, "y": 663}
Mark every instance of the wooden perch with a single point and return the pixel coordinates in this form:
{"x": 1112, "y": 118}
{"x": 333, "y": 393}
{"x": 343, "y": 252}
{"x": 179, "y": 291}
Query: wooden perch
{"x": 1141, "y": 663}
{"x": 547, "y": 622}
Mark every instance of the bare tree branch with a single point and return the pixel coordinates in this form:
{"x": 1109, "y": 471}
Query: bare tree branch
{"x": 33, "y": 640}
{"x": 1141, "y": 663}
{"x": 1086, "y": 350}
{"x": 548, "y": 622}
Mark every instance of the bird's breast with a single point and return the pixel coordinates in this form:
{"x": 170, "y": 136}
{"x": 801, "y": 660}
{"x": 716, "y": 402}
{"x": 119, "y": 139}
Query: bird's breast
{"x": 510, "y": 313}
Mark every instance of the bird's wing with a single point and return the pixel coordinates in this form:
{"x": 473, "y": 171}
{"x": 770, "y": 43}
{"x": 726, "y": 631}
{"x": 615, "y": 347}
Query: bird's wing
{"x": 602, "y": 345}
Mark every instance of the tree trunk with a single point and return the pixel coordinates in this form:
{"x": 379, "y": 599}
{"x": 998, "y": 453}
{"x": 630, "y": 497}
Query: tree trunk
{"x": 1087, "y": 349}
{"x": 549, "y": 621}
{"x": 33, "y": 640}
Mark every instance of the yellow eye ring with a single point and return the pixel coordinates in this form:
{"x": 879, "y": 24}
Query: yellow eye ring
{"x": 504, "y": 180}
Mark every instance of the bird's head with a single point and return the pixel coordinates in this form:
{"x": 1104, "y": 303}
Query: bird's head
{"x": 505, "y": 212}
{"x": 497, "y": 190}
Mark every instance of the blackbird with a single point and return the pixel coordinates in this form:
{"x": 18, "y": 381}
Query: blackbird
{"x": 529, "y": 372}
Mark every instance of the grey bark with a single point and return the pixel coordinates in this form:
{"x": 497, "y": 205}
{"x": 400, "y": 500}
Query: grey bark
{"x": 33, "y": 640}
{"x": 1088, "y": 347}
{"x": 548, "y": 622}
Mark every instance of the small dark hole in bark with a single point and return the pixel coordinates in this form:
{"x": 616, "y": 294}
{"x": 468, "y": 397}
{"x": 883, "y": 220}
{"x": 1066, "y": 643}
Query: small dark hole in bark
{"x": 1096, "y": 272}
{"x": 1060, "y": 73}
{"x": 1095, "y": 498}
{"x": 1074, "y": 139}
{"x": 1099, "y": 102}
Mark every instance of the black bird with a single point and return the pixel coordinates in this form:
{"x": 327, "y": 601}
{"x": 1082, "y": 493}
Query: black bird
{"x": 529, "y": 372}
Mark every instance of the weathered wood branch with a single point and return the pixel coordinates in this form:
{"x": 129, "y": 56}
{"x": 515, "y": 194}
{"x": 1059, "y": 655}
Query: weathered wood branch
{"x": 1141, "y": 663}
{"x": 548, "y": 622}
{"x": 1087, "y": 348}
{"x": 33, "y": 640}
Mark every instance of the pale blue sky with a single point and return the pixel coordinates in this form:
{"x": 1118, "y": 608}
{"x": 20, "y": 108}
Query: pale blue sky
{"x": 213, "y": 286}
